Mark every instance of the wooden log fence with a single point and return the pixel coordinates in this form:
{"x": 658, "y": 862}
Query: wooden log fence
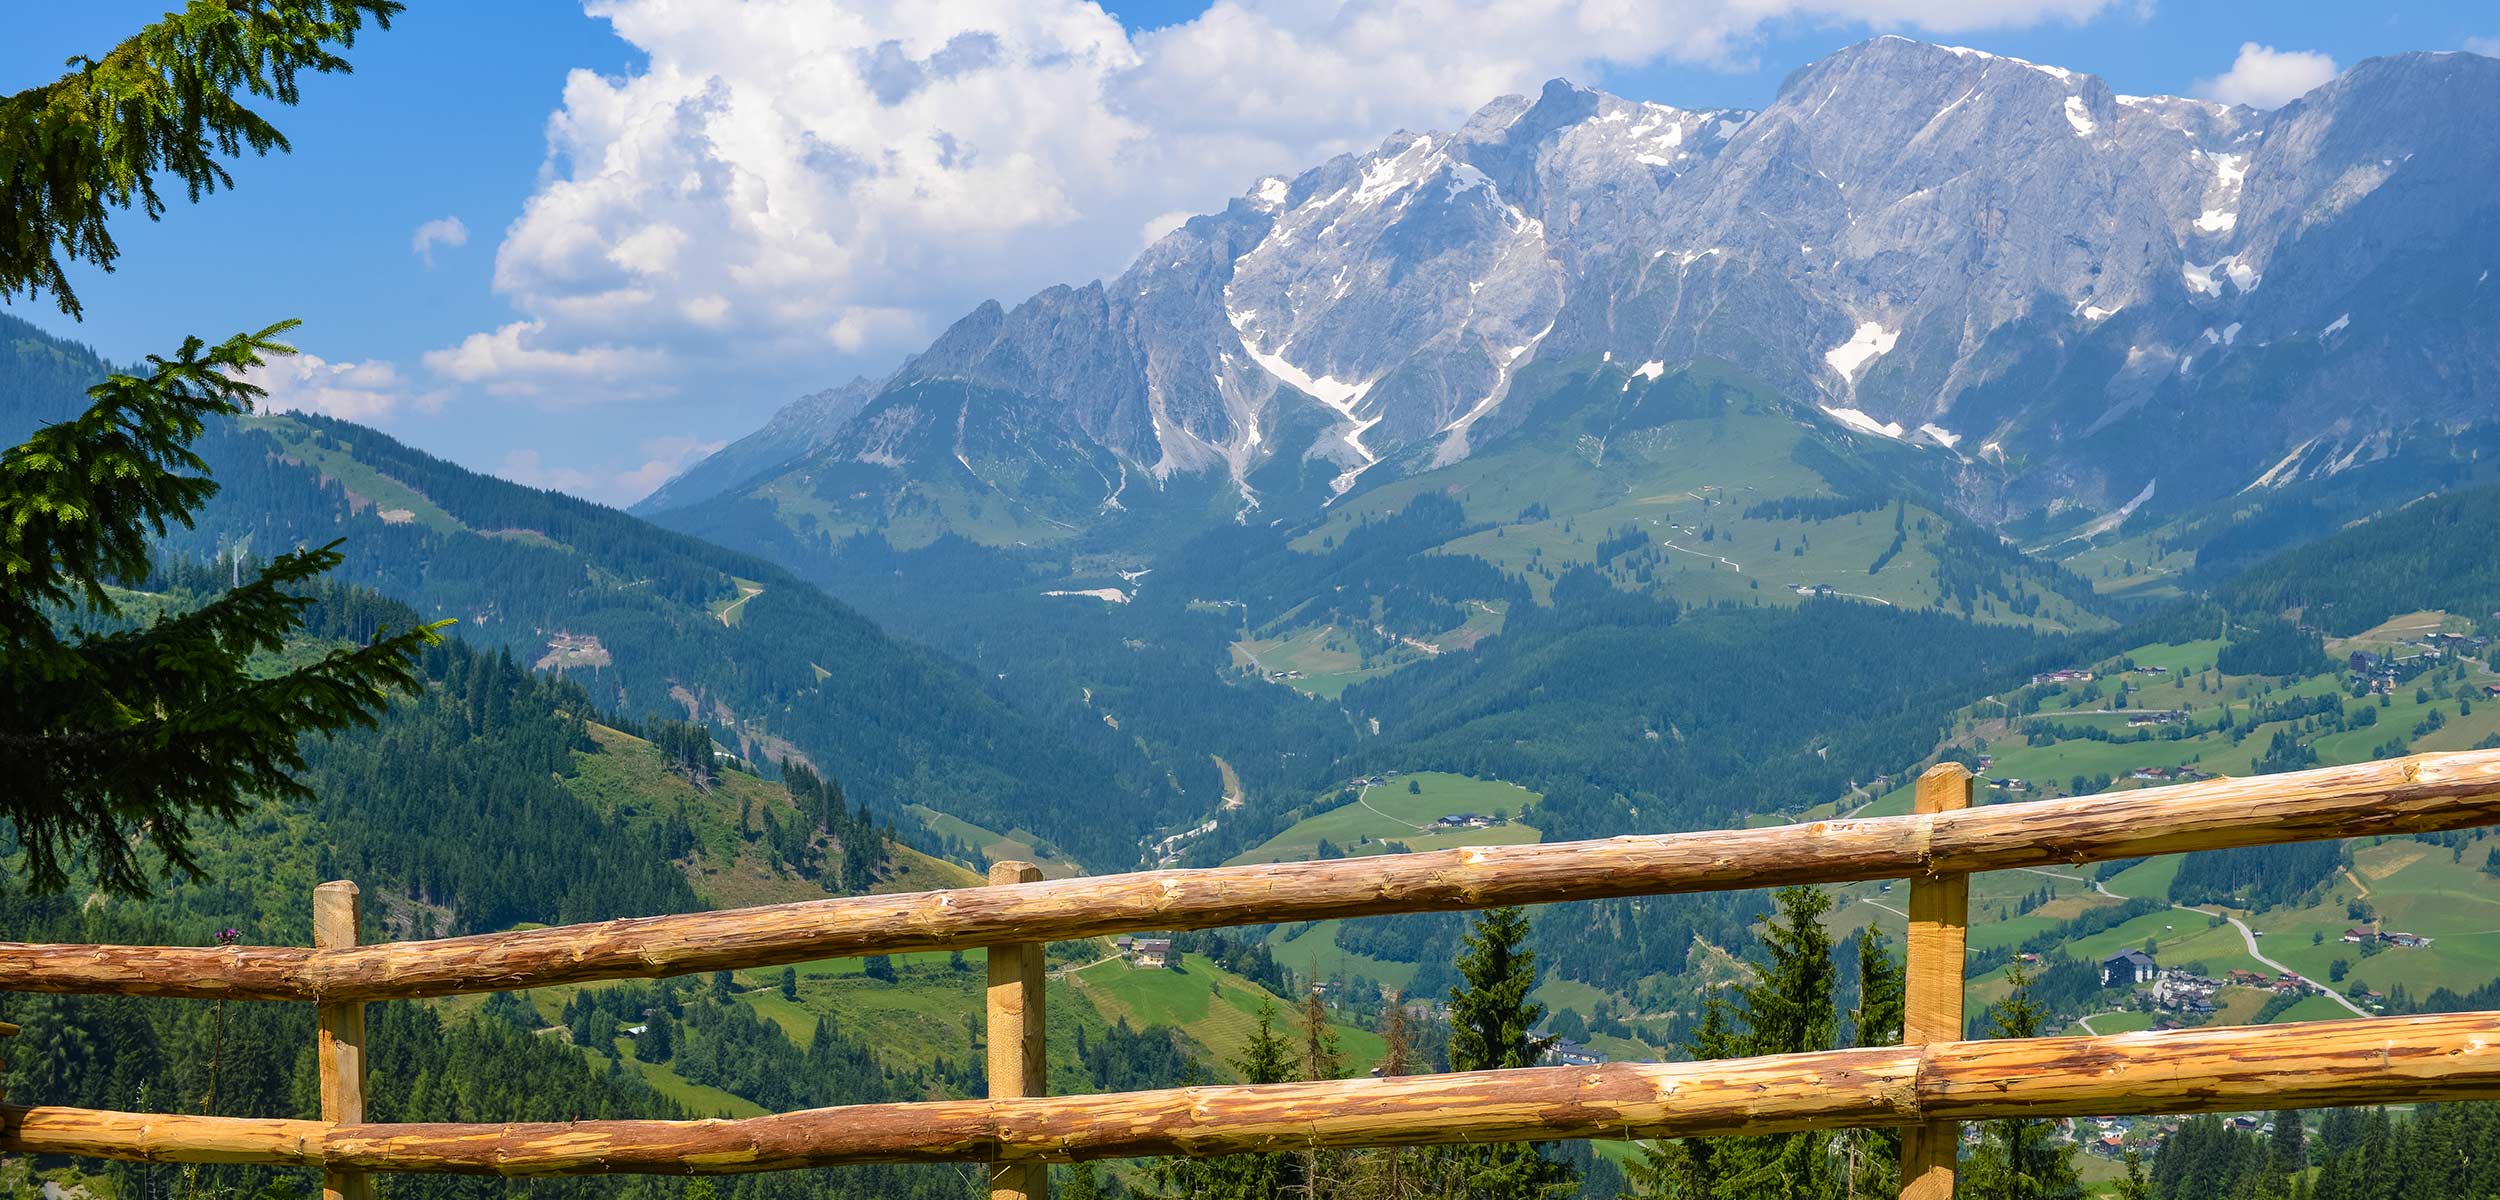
{"x": 1925, "y": 1087}
{"x": 2387, "y": 1060}
{"x": 1932, "y": 977}
{"x": 340, "y": 1030}
{"x": 2427, "y": 793}
{"x": 1019, "y": 1065}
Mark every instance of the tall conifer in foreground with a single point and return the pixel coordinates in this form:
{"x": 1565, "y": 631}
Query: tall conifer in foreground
{"x": 1871, "y": 1158}
{"x": 1491, "y": 1029}
{"x": 1785, "y": 1008}
{"x": 115, "y": 736}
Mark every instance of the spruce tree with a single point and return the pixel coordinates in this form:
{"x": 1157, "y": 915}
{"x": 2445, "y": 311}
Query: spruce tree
{"x": 168, "y": 100}
{"x": 1491, "y": 1029}
{"x": 1079, "y": 1181}
{"x": 1267, "y": 1058}
{"x": 2291, "y": 1141}
{"x": 1691, "y": 1168}
{"x": 119, "y": 735}
{"x": 1397, "y": 1054}
{"x": 1322, "y": 1170}
{"x": 1321, "y": 1059}
{"x": 2134, "y": 1184}
{"x": 2021, "y": 1159}
{"x": 1787, "y": 1008}
{"x": 1871, "y": 1158}
{"x": 1388, "y": 1172}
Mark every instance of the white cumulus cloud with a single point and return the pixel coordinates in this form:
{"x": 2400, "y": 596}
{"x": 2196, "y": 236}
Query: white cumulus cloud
{"x": 2268, "y": 78}
{"x": 441, "y": 231}
{"x": 351, "y": 391}
{"x": 2488, "y": 47}
{"x": 807, "y": 179}
{"x": 512, "y": 360}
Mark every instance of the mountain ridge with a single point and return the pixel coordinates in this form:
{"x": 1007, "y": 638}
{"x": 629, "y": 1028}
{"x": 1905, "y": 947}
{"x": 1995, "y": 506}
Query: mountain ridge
{"x": 2007, "y": 263}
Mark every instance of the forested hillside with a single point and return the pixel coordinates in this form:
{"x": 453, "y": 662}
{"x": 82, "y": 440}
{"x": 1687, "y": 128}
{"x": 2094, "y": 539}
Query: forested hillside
{"x": 493, "y": 797}
{"x": 649, "y": 623}
{"x": 2435, "y": 553}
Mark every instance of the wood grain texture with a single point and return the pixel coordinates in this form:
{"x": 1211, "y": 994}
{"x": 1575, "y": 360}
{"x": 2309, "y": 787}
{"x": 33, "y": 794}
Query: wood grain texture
{"x": 341, "y": 1034}
{"x": 2424, "y": 793}
{"x": 1017, "y": 1042}
{"x": 1932, "y": 983}
{"x": 2387, "y": 1060}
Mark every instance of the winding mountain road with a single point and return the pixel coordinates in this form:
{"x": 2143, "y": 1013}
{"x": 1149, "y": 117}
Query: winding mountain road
{"x": 2248, "y": 937}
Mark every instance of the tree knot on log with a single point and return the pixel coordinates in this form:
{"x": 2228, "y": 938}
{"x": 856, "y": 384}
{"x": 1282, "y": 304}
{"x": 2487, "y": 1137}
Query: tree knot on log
{"x": 1903, "y": 1098}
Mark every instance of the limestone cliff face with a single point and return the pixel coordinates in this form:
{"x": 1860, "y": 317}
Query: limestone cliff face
{"x": 2068, "y": 291}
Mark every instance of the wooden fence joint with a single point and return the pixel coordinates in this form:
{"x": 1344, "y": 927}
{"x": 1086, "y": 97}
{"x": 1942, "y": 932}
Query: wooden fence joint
{"x": 341, "y": 1026}
{"x": 1018, "y": 1067}
{"x": 1939, "y": 942}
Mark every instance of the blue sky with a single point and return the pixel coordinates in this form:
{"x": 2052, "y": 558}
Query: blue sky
{"x": 680, "y": 213}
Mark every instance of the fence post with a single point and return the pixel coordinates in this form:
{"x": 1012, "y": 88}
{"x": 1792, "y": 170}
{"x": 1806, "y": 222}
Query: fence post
{"x": 342, "y": 1051}
{"x": 1932, "y": 986}
{"x": 1016, "y": 1065}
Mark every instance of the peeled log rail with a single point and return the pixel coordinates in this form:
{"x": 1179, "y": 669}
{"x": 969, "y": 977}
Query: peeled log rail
{"x": 2399, "y": 1059}
{"x": 2422, "y": 794}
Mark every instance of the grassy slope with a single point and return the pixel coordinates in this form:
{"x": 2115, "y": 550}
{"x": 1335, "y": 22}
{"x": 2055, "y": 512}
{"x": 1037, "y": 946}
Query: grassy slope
{"x": 1020, "y": 844}
{"x": 1213, "y": 1006}
{"x": 1551, "y": 497}
{"x": 1390, "y": 812}
{"x": 1674, "y": 481}
{"x": 627, "y": 777}
{"x": 2439, "y": 893}
{"x": 2190, "y": 685}
{"x": 365, "y": 481}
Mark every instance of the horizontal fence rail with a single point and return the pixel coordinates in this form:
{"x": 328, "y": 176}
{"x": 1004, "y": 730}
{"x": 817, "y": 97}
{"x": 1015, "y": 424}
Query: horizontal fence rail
{"x": 2422, "y": 794}
{"x": 2397, "y": 1059}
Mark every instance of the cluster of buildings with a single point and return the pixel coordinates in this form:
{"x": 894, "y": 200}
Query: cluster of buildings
{"x": 2168, "y": 774}
{"x": 2069, "y": 675}
{"x": 2407, "y": 941}
{"x": 2284, "y": 984}
{"x": 2111, "y": 1137}
{"x": 1464, "y": 821}
{"x": 2381, "y": 671}
{"x": 1567, "y": 1053}
{"x": 1151, "y": 953}
{"x": 2178, "y": 991}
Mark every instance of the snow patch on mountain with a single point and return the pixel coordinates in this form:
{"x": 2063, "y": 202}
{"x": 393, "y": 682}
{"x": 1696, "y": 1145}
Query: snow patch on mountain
{"x": 1340, "y": 396}
{"x": 2222, "y": 196}
{"x": 2060, "y": 74}
{"x": 2118, "y": 518}
{"x": 1856, "y": 419}
{"x": 1870, "y": 342}
{"x": 2079, "y": 115}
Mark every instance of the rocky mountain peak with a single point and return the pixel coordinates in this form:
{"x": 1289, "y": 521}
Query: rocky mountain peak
{"x": 2002, "y": 261}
